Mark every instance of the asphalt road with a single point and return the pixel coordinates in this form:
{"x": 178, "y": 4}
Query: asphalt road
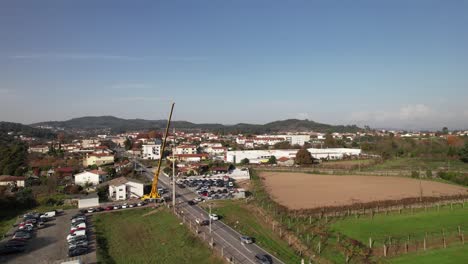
{"x": 222, "y": 234}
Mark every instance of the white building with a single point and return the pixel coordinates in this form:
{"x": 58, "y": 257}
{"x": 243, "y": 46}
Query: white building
{"x": 90, "y": 200}
{"x": 122, "y": 189}
{"x": 93, "y": 177}
{"x": 295, "y": 139}
{"x": 262, "y": 156}
{"x": 186, "y": 149}
{"x": 151, "y": 151}
{"x": 17, "y": 181}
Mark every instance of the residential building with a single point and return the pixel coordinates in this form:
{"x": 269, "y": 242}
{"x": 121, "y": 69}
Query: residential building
{"x": 38, "y": 149}
{"x": 151, "y": 151}
{"x": 7, "y": 180}
{"x": 98, "y": 159}
{"x": 191, "y": 157}
{"x": 123, "y": 188}
{"x": 186, "y": 149}
{"x": 93, "y": 177}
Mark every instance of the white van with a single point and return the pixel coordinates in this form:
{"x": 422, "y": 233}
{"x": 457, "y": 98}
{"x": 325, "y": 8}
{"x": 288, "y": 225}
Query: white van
{"x": 48, "y": 214}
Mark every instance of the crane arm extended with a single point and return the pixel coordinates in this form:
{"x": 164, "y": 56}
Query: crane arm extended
{"x": 154, "y": 187}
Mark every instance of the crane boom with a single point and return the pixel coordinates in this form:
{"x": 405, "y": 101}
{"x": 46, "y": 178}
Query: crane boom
{"x": 154, "y": 187}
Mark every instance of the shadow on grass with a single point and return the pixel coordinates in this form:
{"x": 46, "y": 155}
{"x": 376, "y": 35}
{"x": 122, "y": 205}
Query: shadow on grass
{"x": 102, "y": 249}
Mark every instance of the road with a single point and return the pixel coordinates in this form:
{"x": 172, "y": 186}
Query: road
{"x": 222, "y": 234}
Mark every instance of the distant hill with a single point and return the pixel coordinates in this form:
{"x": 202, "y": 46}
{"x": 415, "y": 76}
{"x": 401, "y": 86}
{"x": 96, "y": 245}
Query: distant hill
{"x": 118, "y": 125}
{"x": 15, "y": 129}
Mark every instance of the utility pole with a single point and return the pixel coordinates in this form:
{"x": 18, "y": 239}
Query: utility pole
{"x": 210, "y": 217}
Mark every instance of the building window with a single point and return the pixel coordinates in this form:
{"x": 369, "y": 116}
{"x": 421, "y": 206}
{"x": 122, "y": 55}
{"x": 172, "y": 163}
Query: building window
{"x": 120, "y": 190}
{"x": 120, "y": 197}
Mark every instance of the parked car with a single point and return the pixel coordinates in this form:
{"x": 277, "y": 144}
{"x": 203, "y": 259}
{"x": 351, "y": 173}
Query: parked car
{"x": 77, "y": 251}
{"x": 109, "y": 208}
{"x": 22, "y": 234}
{"x": 79, "y": 243}
{"x": 214, "y": 217}
{"x": 78, "y": 219}
{"x": 132, "y": 205}
{"x": 76, "y": 234}
{"x": 11, "y": 249}
{"x": 77, "y": 239}
{"x": 40, "y": 224}
{"x": 77, "y": 215}
{"x": 246, "y": 240}
{"x": 191, "y": 202}
{"x": 15, "y": 242}
{"x": 125, "y": 205}
{"x": 263, "y": 259}
{"x": 117, "y": 206}
{"x": 99, "y": 209}
{"x": 91, "y": 210}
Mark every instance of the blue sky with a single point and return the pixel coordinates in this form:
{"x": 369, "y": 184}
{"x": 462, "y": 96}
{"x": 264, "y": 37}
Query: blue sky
{"x": 400, "y": 64}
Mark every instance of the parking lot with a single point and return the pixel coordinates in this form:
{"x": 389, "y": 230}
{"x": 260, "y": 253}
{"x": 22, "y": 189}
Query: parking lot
{"x": 49, "y": 244}
{"x": 210, "y": 188}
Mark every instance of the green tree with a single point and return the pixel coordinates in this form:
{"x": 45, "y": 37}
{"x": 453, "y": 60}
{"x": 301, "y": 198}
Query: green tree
{"x": 463, "y": 153}
{"x": 245, "y": 161}
{"x": 127, "y": 144}
{"x": 272, "y": 160}
{"x": 445, "y": 131}
{"x": 303, "y": 157}
{"x": 330, "y": 142}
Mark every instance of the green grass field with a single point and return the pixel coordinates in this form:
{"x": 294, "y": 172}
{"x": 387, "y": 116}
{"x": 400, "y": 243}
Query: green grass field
{"x": 130, "y": 237}
{"x": 400, "y": 226}
{"x": 419, "y": 163}
{"x": 237, "y": 215}
{"x": 452, "y": 255}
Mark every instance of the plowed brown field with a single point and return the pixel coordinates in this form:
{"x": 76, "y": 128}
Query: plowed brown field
{"x": 302, "y": 191}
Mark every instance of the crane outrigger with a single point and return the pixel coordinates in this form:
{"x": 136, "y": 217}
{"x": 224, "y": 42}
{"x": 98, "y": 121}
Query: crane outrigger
{"x": 154, "y": 195}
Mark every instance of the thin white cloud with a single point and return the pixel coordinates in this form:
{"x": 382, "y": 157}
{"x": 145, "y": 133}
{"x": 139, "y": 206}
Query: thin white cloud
{"x": 302, "y": 116}
{"x": 187, "y": 58}
{"x": 136, "y": 99}
{"x": 129, "y": 86}
{"x": 72, "y": 56}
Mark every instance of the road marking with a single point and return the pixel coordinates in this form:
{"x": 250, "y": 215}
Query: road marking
{"x": 246, "y": 248}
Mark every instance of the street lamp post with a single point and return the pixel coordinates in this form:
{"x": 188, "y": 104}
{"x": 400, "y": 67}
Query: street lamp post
{"x": 210, "y": 216}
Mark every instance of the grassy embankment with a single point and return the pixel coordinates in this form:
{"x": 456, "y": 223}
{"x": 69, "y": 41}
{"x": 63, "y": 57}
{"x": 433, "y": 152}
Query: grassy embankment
{"x": 133, "y": 237}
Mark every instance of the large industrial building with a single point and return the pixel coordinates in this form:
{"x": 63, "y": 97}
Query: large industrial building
{"x": 262, "y": 156}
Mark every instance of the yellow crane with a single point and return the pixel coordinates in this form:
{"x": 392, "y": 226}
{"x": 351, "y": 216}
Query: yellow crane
{"x": 153, "y": 195}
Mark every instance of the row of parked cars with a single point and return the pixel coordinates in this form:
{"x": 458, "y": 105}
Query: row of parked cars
{"x": 113, "y": 207}
{"x": 77, "y": 238}
{"x": 211, "y": 188}
{"x": 25, "y": 231}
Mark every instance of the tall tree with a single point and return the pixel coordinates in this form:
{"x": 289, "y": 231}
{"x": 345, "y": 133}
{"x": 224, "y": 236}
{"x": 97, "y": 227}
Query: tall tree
{"x": 445, "y": 130}
{"x": 330, "y": 142}
{"x": 272, "y": 160}
{"x": 303, "y": 157}
{"x": 127, "y": 144}
{"x": 464, "y": 153}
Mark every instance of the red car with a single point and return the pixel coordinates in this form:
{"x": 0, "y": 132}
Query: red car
{"x": 108, "y": 208}
{"x": 78, "y": 229}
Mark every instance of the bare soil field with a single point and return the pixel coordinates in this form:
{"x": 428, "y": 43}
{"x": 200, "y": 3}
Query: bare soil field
{"x": 304, "y": 191}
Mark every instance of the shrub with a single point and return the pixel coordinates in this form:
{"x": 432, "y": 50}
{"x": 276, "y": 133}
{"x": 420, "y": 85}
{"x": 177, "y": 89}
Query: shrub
{"x": 415, "y": 174}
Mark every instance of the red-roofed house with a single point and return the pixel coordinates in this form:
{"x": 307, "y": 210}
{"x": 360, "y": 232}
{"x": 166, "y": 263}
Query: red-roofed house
{"x": 191, "y": 157}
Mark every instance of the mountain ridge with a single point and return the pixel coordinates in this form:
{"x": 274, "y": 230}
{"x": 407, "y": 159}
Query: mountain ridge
{"x": 117, "y": 124}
